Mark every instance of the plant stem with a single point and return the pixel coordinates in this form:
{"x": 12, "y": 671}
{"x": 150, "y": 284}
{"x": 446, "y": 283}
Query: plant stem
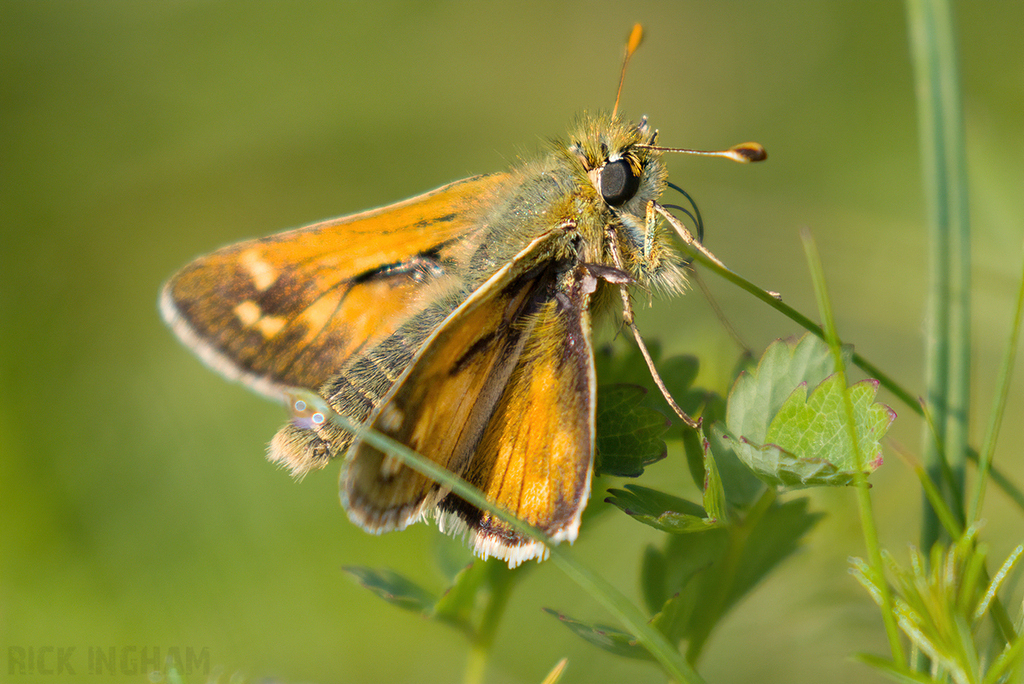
{"x": 738, "y": 535}
{"x": 867, "y": 519}
{"x": 988, "y": 447}
{"x": 480, "y": 651}
{"x": 602, "y": 590}
{"x": 886, "y": 380}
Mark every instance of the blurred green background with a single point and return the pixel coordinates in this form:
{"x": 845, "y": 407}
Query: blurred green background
{"x": 135, "y": 505}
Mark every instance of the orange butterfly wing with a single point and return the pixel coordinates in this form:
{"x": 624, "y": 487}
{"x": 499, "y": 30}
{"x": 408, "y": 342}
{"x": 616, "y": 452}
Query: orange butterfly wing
{"x": 503, "y": 396}
{"x": 288, "y": 310}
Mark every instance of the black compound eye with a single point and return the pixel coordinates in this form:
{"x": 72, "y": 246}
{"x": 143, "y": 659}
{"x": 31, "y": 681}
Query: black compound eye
{"x": 618, "y": 182}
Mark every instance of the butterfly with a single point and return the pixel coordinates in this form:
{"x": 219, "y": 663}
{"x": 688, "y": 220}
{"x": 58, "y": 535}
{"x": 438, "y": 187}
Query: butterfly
{"x": 457, "y": 322}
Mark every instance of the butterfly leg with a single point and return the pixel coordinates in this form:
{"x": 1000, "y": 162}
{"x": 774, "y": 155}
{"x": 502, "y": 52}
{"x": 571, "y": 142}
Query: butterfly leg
{"x": 653, "y": 209}
{"x": 629, "y": 319}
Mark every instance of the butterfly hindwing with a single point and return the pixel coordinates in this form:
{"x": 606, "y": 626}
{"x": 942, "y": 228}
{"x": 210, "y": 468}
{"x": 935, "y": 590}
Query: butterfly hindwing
{"x": 469, "y": 402}
{"x": 535, "y": 459}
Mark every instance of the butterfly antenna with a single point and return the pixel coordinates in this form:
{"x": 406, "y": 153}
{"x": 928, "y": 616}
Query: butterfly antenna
{"x": 744, "y": 153}
{"x": 695, "y": 214}
{"x": 632, "y": 43}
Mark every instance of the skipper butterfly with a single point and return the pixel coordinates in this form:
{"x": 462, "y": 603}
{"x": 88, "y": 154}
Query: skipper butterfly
{"x": 457, "y": 322}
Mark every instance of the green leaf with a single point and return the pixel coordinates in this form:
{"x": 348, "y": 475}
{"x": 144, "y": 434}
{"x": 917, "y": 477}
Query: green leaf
{"x": 394, "y": 588}
{"x": 705, "y": 473}
{"x": 653, "y": 571}
{"x": 451, "y": 555}
{"x": 773, "y": 538}
{"x": 661, "y": 511}
{"x": 629, "y": 433}
{"x": 790, "y": 439}
{"x": 758, "y": 395}
{"x": 624, "y": 363}
{"x": 814, "y": 428}
{"x": 714, "y": 407}
{"x": 608, "y": 638}
{"x": 670, "y": 618}
{"x": 682, "y": 568}
{"x": 707, "y": 574}
{"x": 770, "y": 540}
{"x": 714, "y": 492}
{"x": 456, "y": 604}
{"x": 741, "y": 486}
{"x": 693, "y": 449}
{"x": 679, "y": 374}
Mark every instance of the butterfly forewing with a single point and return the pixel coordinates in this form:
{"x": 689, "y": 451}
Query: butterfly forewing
{"x": 288, "y": 310}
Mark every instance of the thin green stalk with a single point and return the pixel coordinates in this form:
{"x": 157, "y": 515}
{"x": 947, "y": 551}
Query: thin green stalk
{"x": 483, "y": 642}
{"x": 775, "y": 301}
{"x": 947, "y": 350}
{"x": 931, "y": 491}
{"x": 937, "y": 306}
{"x": 944, "y": 468}
{"x": 476, "y": 663}
{"x": 603, "y": 591}
{"x": 988, "y": 446}
{"x": 730, "y": 568}
{"x": 1002, "y": 480}
{"x": 867, "y": 519}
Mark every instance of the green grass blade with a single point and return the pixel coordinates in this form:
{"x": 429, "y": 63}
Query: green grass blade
{"x": 988, "y": 447}
{"x": 947, "y": 345}
{"x": 863, "y": 495}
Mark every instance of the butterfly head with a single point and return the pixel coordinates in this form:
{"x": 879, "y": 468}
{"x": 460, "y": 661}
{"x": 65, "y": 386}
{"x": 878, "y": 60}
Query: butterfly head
{"x": 614, "y": 155}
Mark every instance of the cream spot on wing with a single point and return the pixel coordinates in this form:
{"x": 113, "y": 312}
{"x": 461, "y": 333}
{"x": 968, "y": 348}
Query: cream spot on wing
{"x": 391, "y": 418}
{"x": 271, "y": 325}
{"x": 251, "y": 315}
{"x": 389, "y": 467}
{"x": 263, "y": 274}
{"x": 248, "y": 312}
